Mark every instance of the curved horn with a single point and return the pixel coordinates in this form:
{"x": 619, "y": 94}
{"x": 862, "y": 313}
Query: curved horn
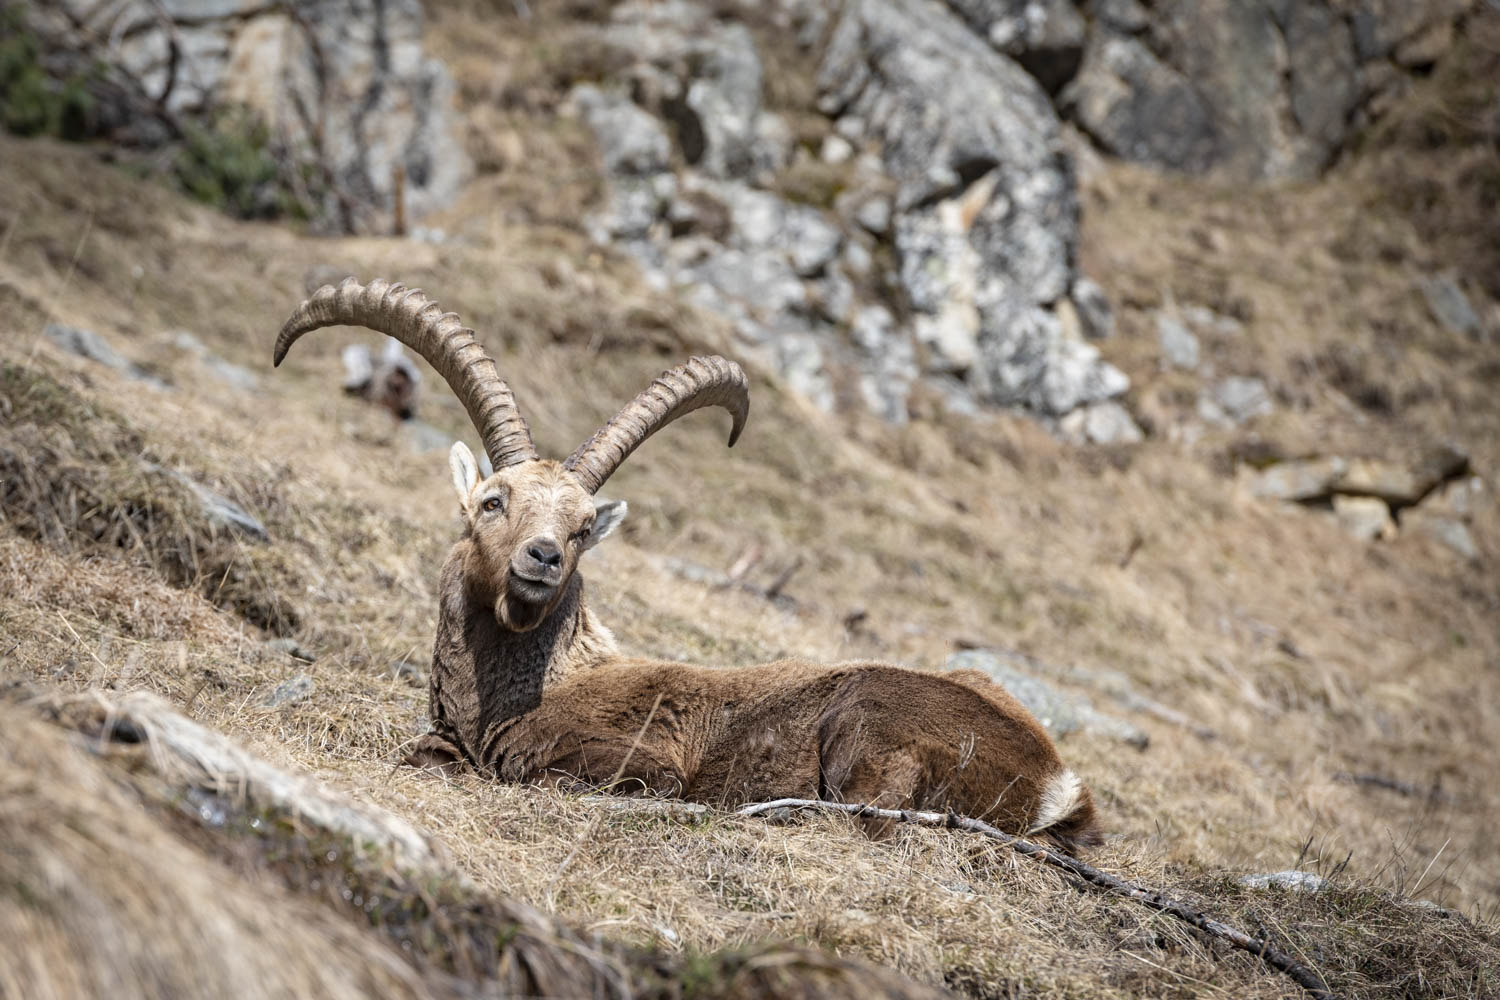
{"x": 711, "y": 381}
{"x": 412, "y": 318}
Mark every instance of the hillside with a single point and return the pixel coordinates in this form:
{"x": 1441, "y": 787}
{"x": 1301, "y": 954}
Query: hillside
{"x": 1306, "y": 699}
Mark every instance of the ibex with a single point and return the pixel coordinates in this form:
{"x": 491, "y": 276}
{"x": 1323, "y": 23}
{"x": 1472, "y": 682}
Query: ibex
{"x": 528, "y": 685}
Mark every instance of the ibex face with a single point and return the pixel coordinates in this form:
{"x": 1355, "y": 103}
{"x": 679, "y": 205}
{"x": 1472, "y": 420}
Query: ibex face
{"x": 527, "y": 525}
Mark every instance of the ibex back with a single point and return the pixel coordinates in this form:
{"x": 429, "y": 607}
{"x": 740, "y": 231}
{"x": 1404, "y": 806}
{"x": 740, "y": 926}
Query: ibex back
{"x": 527, "y": 684}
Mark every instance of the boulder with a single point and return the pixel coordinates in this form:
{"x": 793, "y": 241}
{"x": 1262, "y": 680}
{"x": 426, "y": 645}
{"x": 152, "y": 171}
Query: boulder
{"x": 1262, "y": 88}
{"x": 344, "y": 84}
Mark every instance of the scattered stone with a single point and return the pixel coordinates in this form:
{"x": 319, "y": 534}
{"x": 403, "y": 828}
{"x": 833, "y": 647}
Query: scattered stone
{"x": 875, "y": 215}
{"x": 1299, "y": 479}
{"x": 1234, "y": 400}
{"x": 1110, "y": 423}
{"x": 1293, "y": 881}
{"x": 1178, "y": 345}
{"x": 292, "y": 648}
{"x": 289, "y": 692}
{"x": 1450, "y": 531}
{"x": 1364, "y": 518}
{"x": 88, "y": 344}
{"x": 227, "y": 371}
{"x": 1449, "y": 305}
{"x": 1095, "y": 315}
{"x": 1058, "y": 712}
{"x": 421, "y": 437}
{"x": 216, "y": 508}
{"x": 836, "y": 149}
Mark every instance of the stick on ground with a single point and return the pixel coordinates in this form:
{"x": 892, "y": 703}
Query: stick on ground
{"x": 1277, "y": 959}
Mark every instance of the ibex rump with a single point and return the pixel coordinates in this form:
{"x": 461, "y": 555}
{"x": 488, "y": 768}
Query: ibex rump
{"x": 526, "y": 683}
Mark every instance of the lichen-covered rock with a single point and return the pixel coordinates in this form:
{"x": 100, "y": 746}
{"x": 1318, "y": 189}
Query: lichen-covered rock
{"x": 1261, "y": 88}
{"x": 345, "y": 84}
{"x": 986, "y": 212}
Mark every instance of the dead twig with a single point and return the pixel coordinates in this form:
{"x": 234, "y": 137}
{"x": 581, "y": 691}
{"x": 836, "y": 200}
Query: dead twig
{"x": 1277, "y": 959}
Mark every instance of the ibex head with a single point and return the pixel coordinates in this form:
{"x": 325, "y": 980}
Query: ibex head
{"x": 532, "y": 518}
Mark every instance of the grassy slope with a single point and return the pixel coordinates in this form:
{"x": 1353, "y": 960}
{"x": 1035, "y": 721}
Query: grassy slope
{"x": 947, "y": 530}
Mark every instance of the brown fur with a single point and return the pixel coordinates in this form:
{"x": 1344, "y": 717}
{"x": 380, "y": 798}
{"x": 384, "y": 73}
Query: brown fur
{"x": 536, "y": 691}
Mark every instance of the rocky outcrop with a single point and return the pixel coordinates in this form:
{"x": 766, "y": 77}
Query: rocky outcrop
{"x": 987, "y": 214}
{"x": 947, "y": 251}
{"x": 1262, "y": 88}
{"x": 342, "y": 86}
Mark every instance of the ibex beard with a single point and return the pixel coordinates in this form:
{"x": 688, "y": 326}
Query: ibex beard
{"x": 528, "y": 685}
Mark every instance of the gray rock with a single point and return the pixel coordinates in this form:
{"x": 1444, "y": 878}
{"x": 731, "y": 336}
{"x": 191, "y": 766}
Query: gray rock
{"x": 225, "y": 371}
{"x": 422, "y": 437}
{"x": 1141, "y": 109}
{"x": 1292, "y": 881}
{"x": 292, "y": 648}
{"x": 986, "y": 213}
{"x": 1103, "y": 423}
{"x": 836, "y": 149}
{"x": 1095, "y": 314}
{"x": 813, "y": 240}
{"x": 345, "y": 84}
{"x": 888, "y": 363}
{"x": 1449, "y": 305}
{"x": 1044, "y": 36}
{"x": 1179, "y": 347}
{"x": 704, "y": 75}
{"x": 88, "y": 344}
{"x": 874, "y": 214}
{"x": 799, "y": 357}
{"x": 289, "y": 692}
{"x": 1264, "y": 88}
{"x": 1126, "y": 17}
{"x": 631, "y": 141}
{"x": 1300, "y": 479}
{"x": 1060, "y": 713}
{"x": 1234, "y": 400}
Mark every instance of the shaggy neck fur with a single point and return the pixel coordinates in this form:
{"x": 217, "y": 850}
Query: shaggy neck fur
{"x": 485, "y": 676}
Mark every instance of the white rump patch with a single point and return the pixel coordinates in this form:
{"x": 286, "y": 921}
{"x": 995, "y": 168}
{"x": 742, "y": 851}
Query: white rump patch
{"x": 1059, "y": 800}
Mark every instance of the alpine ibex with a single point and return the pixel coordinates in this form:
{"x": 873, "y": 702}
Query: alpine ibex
{"x": 527, "y": 684}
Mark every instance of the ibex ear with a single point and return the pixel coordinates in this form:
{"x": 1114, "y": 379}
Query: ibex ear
{"x": 465, "y": 472}
{"x": 607, "y": 517}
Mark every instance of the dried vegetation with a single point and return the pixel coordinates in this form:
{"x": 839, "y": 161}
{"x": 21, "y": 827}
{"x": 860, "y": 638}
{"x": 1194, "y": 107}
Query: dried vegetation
{"x": 1311, "y": 657}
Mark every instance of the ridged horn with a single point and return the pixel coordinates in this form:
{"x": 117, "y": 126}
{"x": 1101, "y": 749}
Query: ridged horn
{"x": 711, "y": 381}
{"x": 420, "y": 323}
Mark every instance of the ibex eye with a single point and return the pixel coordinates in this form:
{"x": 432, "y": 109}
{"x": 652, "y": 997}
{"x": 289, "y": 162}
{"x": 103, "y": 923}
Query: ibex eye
{"x": 492, "y": 504}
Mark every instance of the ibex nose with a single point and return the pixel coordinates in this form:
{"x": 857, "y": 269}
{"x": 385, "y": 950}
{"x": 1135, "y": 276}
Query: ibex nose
{"x": 545, "y": 551}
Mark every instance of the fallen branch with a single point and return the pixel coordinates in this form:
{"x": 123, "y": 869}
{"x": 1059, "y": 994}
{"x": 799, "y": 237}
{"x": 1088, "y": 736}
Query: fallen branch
{"x": 1279, "y": 960}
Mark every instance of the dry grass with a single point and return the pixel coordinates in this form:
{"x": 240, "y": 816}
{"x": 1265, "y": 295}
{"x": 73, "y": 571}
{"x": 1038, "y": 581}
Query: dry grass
{"x": 1309, "y": 655}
